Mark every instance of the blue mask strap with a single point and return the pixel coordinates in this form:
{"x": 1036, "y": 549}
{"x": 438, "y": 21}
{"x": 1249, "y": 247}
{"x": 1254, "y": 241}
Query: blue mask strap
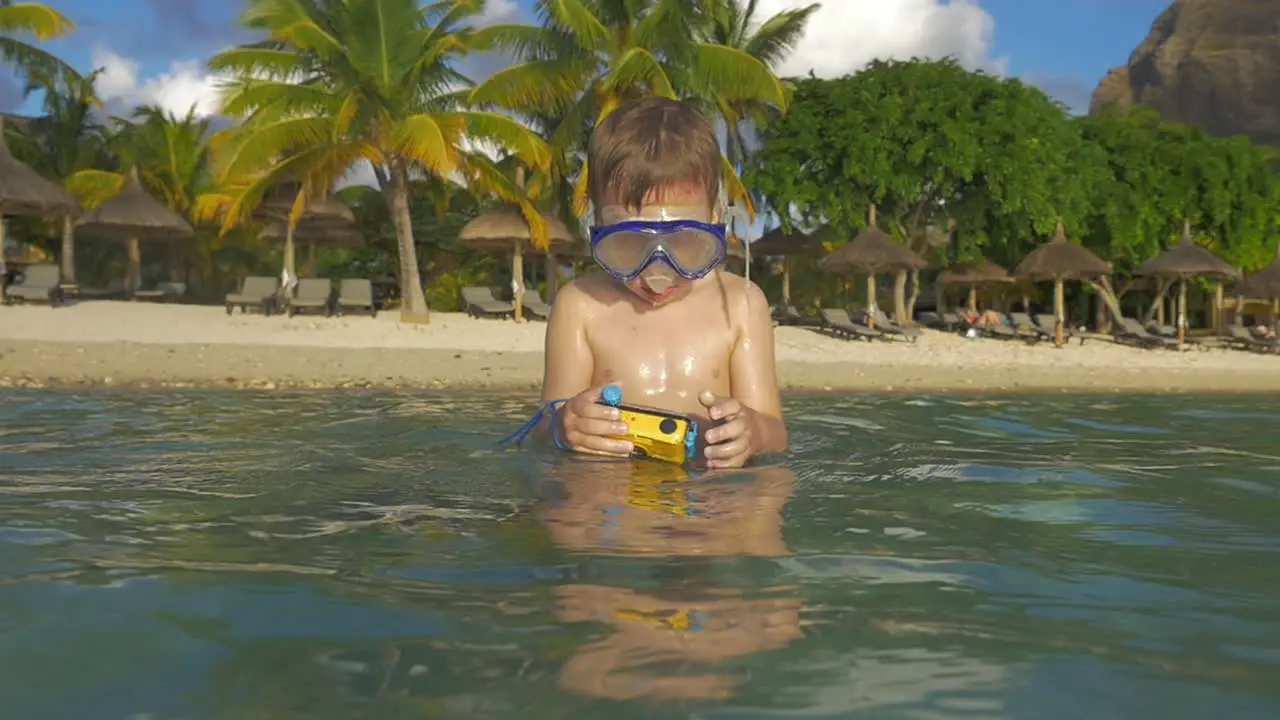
{"x": 548, "y": 408}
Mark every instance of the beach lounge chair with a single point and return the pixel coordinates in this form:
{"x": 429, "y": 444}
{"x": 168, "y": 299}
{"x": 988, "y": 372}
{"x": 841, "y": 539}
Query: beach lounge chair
{"x": 1241, "y": 338}
{"x": 789, "y": 315}
{"x": 1027, "y": 328}
{"x": 164, "y": 292}
{"x": 1131, "y": 332}
{"x": 480, "y": 302}
{"x": 533, "y": 304}
{"x": 40, "y": 283}
{"x": 1171, "y": 332}
{"x": 311, "y": 294}
{"x": 1048, "y": 322}
{"x": 947, "y": 320}
{"x": 255, "y": 291}
{"x": 889, "y": 327}
{"x": 838, "y": 323}
{"x": 114, "y": 290}
{"x": 355, "y": 293}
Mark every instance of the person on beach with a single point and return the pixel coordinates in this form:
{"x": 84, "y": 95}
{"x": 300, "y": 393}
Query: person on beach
{"x": 663, "y": 321}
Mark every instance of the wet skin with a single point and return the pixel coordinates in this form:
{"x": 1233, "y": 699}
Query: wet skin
{"x": 699, "y": 347}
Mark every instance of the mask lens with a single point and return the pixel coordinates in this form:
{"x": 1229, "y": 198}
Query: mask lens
{"x": 692, "y": 250}
{"x": 624, "y": 252}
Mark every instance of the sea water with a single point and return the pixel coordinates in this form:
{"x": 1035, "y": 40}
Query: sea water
{"x": 323, "y": 555}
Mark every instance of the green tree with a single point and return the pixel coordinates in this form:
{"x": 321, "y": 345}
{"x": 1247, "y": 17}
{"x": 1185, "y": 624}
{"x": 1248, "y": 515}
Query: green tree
{"x": 41, "y": 22}
{"x": 66, "y": 138}
{"x": 586, "y": 57}
{"x": 347, "y": 81}
{"x": 928, "y": 142}
{"x": 1160, "y": 173}
{"x": 734, "y": 23}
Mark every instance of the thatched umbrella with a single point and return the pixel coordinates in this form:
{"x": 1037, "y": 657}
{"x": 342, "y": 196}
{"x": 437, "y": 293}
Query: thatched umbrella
{"x": 132, "y": 215}
{"x": 505, "y": 228}
{"x": 974, "y": 273}
{"x": 1181, "y": 262}
{"x": 314, "y": 232}
{"x": 1059, "y": 260}
{"x": 787, "y": 245}
{"x": 24, "y": 191}
{"x": 319, "y": 211}
{"x": 872, "y": 252}
{"x": 1264, "y": 283}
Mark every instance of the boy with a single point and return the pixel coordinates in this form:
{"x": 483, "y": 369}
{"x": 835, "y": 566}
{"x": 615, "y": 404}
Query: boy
{"x": 663, "y": 322}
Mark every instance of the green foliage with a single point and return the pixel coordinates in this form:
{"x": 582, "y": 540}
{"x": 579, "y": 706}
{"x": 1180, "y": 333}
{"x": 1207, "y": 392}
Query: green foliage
{"x": 1158, "y": 173}
{"x": 925, "y": 141}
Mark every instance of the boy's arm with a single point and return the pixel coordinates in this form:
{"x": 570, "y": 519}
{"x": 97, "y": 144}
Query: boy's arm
{"x": 568, "y": 362}
{"x": 753, "y": 374}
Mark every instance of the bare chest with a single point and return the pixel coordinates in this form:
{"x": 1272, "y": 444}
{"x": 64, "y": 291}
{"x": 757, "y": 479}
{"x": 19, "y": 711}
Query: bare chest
{"x": 663, "y": 359}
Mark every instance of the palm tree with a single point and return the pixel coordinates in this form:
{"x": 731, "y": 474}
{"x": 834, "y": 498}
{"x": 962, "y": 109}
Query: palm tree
{"x": 589, "y": 56}
{"x": 38, "y": 20}
{"x": 349, "y": 81}
{"x": 733, "y": 24}
{"x": 67, "y": 138}
{"x": 171, "y": 154}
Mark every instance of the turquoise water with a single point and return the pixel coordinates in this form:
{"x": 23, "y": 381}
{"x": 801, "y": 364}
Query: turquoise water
{"x": 234, "y": 555}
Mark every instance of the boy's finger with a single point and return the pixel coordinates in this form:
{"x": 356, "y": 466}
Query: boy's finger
{"x": 602, "y": 445}
{"x": 599, "y": 427}
{"x": 728, "y": 431}
{"x": 727, "y": 408}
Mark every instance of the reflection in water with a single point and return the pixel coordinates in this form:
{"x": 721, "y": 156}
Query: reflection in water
{"x": 676, "y": 642}
{"x": 332, "y": 556}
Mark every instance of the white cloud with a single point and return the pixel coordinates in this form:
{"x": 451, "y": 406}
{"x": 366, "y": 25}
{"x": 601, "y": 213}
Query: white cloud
{"x": 844, "y": 35}
{"x": 499, "y": 11}
{"x": 186, "y": 84}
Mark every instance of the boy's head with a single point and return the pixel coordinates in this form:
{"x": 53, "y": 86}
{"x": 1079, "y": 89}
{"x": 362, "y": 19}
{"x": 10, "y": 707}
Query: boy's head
{"x": 656, "y": 160}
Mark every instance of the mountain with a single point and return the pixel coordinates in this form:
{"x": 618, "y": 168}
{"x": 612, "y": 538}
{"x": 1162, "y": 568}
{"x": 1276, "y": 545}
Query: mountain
{"x": 1214, "y": 64}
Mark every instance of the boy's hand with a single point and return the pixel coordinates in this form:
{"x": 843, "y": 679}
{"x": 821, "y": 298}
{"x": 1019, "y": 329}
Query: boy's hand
{"x": 731, "y": 443}
{"x": 585, "y": 425}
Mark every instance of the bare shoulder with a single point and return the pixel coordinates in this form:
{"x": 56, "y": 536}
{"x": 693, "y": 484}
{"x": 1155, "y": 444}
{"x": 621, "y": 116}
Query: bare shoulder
{"x": 745, "y": 299}
{"x": 579, "y": 298}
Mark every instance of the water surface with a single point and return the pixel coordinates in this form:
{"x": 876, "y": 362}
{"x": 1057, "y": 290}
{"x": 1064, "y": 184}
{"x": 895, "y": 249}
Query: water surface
{"x": 235, "y": 555}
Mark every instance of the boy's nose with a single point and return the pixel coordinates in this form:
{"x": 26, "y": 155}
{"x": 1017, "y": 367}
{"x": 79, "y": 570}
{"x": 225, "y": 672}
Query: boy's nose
{"x": 658, "y": 282}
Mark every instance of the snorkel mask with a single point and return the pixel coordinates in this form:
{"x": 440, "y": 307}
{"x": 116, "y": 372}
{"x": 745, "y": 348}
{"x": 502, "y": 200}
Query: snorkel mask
{"x": 691, "y": 248}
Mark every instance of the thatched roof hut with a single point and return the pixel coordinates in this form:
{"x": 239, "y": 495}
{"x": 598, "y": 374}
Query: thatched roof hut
{"x": 24, "y": 191}
{"x": 1187, "y": 259}
{"x": 1059, "y": 259}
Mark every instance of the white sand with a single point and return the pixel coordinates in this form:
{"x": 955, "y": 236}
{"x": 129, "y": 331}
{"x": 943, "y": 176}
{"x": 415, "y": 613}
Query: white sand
{"x": 144, "y": 343}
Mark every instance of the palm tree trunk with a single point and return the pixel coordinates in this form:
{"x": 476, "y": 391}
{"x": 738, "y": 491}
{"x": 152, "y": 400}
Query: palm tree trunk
{"x": 413, "y": 302}
{"x": 68, "y": 251}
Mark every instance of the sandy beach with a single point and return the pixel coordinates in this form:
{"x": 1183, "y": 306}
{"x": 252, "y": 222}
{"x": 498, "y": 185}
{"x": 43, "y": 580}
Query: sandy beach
{"x": 142, "y": 344}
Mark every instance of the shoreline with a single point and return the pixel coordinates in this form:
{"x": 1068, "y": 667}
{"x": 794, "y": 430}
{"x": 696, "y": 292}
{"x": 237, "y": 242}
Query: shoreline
{"x": 145, "y": 345}
{"x": 187, "y": 366}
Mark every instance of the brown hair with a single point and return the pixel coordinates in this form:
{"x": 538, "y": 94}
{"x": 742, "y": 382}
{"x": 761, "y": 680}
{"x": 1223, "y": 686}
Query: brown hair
{"x": 646, "y": 144}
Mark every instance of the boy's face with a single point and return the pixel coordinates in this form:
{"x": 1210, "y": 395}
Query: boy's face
{"x": 659, "y": 283}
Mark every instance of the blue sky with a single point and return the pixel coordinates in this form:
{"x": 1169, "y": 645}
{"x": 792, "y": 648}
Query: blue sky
{"x": 156, "y": 47}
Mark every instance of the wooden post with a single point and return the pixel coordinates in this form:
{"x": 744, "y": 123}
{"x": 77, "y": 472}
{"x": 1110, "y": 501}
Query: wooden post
{"x": 551, "y": 269}
{"x": 134, "y": 278}
{"x": 786, "y": 280}
{"x": 973, "y": 299}
{"x": 1217, "y": 309}
{"x": 1058, "y": 302}
{"x": 517, "y": 280}
{"x": 1182, "y": 313}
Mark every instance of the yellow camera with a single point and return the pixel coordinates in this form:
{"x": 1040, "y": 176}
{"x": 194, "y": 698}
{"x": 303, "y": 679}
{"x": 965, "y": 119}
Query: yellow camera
{"x": 656, "y": 434}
